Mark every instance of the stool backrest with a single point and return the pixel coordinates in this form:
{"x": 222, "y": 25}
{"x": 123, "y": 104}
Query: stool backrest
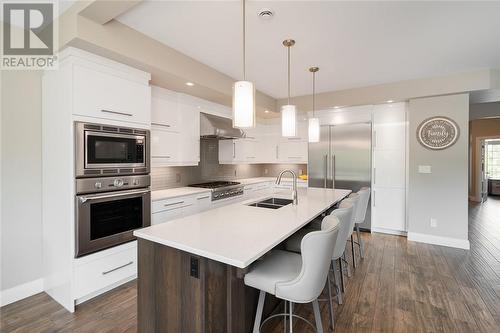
{"x": 316, "y": 251}
{"x": 344, "y": 213}
{"x": 364, "y": 197}
{"x": 354, "y": 199}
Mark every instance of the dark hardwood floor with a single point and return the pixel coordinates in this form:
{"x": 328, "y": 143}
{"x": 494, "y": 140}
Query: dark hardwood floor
{"x": 399, "y": 287}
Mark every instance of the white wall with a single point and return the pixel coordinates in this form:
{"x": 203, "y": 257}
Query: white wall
{"x": 443, "y": 194}
{"x": 21, "y": 218}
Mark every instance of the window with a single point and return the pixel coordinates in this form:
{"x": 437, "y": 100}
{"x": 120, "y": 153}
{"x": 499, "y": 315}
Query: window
{"x": 493, "y": 158}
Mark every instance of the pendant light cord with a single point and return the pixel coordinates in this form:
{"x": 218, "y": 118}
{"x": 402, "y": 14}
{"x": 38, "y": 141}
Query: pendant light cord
{"x": 244, "y": 42}
{"x": 314, "y": 89}
{"x": 288, "y": 75}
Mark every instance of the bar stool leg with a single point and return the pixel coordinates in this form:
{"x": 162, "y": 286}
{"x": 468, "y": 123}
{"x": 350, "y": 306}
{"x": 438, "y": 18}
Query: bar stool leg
{"x": 317, "y": 316}
{"x": 341, "y": 263}
{"x": 353, "y": 253}
{"x": 337, "y": 282}
{"x": 284, "y": 318}
{"x": 291, "y": 316}
{"x": 258, "y": 315}
{"x": 360, "y": 242}
{"x": 330, "y": 302}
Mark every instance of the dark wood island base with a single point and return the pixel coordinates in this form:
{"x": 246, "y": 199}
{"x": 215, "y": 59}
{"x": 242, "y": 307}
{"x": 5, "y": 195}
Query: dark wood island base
{"x": 181, "y": 292}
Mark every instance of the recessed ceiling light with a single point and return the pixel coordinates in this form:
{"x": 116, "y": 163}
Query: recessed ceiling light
{"x": 190, "y": 84}
{"x": 390, "y": 101}
{"x": 336, "y": 107}
{"x": 266, "y": 111}
{"x": 199, "y": 107}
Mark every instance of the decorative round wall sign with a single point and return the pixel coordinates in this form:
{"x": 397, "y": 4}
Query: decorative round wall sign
{"x": 438, "y": 133}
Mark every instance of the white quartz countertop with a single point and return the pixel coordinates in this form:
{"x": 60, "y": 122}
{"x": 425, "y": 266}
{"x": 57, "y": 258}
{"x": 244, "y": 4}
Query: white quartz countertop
{"x": 176, "y": 192}
{"x": 238, "y": 234}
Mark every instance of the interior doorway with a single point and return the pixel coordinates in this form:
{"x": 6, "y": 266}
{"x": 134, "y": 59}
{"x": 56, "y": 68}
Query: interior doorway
{"x": 490, "y": 157}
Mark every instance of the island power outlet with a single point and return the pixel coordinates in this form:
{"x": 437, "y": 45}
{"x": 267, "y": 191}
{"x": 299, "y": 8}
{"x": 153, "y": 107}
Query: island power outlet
{"x": 434, "y": 222}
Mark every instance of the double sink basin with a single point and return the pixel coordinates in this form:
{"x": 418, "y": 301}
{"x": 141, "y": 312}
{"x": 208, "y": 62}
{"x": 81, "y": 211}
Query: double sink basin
{"x": 271, "y": 203}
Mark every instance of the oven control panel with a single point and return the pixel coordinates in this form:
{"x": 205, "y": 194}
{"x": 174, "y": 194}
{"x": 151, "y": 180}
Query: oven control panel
{"x": 107, "y": 184}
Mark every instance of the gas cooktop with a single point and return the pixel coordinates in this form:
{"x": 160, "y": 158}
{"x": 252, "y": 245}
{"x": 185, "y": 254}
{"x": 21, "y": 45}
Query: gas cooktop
{"x": 216, "y": 184}
{"x": 222, "y": 189}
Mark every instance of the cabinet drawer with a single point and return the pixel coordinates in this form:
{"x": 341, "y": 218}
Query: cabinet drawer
{"x": 172, "y": 203}
{"x": 103, "y": 95}
{"x": 101, "y": 273}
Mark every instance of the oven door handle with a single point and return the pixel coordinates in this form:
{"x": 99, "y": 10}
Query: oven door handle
{"x": 84, "y": 199}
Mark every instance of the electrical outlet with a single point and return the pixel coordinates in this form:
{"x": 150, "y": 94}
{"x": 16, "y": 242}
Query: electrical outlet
{"x": 195, "y": 268}
{"x": 434, "y": 222}
{"x": 177, "y": 177}
{"x": 266, "y": 171}
{"x": 300, "y": 172}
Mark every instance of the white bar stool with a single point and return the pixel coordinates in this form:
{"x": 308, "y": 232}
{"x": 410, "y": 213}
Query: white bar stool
{"x": 364, "y": 197}
{"x": 296, "y": 278}
{"x": 344, "y": 214}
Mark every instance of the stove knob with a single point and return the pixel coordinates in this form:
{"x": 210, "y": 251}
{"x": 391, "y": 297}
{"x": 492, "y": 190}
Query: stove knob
{"x": 135, "y": 182}
{"x": 118, "y": 182}
{"x": 98, "y": 185}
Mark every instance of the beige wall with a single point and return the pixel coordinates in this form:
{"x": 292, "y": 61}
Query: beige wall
{"x": 442, "y": 194}
{"x": 21, "y": 218}
{"x": 479, "y": 128}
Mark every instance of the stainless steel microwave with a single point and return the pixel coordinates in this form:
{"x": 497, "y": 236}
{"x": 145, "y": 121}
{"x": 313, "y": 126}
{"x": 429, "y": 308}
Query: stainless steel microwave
{"x": 103, "y": 150}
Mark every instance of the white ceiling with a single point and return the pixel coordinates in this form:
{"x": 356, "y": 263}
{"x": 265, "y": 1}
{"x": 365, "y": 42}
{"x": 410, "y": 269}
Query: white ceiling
{"x": 354, "y": 43}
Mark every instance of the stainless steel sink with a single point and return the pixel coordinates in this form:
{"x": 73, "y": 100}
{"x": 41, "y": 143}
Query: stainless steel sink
{"x": 272, "y": 203}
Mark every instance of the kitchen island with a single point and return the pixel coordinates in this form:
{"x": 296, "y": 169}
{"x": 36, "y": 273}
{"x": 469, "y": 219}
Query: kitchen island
{"x": 190, "y": 270}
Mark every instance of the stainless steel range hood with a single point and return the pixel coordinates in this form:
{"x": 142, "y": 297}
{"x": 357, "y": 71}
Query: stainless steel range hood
{"x": 218, "y": 127}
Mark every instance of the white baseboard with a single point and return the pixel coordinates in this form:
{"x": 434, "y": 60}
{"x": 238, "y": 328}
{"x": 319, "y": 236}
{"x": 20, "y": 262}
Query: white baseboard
{"x": 388, "y": 231}
{"x": 439, "y": 240}
{"x": 17, "y": 293}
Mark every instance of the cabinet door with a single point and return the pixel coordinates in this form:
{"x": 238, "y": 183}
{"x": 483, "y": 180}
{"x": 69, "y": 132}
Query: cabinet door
{"x": 389, "y": 168}
{"x": 388, "y": 209}
{"x": 246, "y": 150}
{"x": 203, "y": 202}
{"x": 189, "y": 129}
{"x": 227, "y": 151}
{"x": 165, "y": 111}
{"x": 389, "y": 127}
{"x": 103, "y": 95}
{"x": 164, "y": 147}
{"x": 292, "y": 151}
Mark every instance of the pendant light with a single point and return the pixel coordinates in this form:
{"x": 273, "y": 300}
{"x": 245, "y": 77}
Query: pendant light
{"x": 244, "y": 92}
{"x": 313, "y": 122}
{"x": 288, "y": 112}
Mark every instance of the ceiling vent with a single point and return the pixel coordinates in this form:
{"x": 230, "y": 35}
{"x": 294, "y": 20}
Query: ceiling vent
{"x": 266, "y": 13}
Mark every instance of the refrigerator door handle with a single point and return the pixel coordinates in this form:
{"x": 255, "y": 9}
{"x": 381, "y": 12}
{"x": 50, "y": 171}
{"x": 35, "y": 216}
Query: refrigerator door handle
{"x": 326, "y": 171}
{"x": 333, "y": 171}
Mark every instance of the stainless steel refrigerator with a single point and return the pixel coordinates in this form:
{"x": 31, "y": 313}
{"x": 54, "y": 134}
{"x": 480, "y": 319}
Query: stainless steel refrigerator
{"x": 342, "y": 159}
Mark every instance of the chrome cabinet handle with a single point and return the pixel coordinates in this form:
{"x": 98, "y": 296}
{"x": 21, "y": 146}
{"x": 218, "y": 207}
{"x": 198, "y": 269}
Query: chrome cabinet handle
{"x": 374, "y": 176}
{"x": 117, "y": 268}
{"x": 116, "y": 112}
{"x": 201, "y": 198}
{"x": 374, "y": 202}
{"x": 114, "y": 195}
{"x": 234, "y": 149}
{"x": 333, "y": 171}
{"x": 374, "y": 139}
{"x": 158, "y": 124}
{"x": 173, "y": 203}
{"x": 326, "y": 170}
{"x": 161, "y": 156}
{"x": 277, "y": 151}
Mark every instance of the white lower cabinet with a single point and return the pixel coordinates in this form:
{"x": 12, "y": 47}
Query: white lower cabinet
{"x": 95, "y": 273}
{"x": 389, "y": 213}
{"x": 172, "y": 208}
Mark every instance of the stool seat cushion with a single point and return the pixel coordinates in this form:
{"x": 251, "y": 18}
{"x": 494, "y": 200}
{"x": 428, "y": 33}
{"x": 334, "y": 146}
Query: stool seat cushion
{"x": 294, "y": 241}
{"x": 277, "y": 266}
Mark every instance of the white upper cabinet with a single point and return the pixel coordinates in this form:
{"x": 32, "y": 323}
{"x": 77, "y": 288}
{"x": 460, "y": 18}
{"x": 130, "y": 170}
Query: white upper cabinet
{"x": 108, "y": 93}
{"x": 264, "y": 144}
{"x": 175, "y": 129}
{"x": 165, "y": 109}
